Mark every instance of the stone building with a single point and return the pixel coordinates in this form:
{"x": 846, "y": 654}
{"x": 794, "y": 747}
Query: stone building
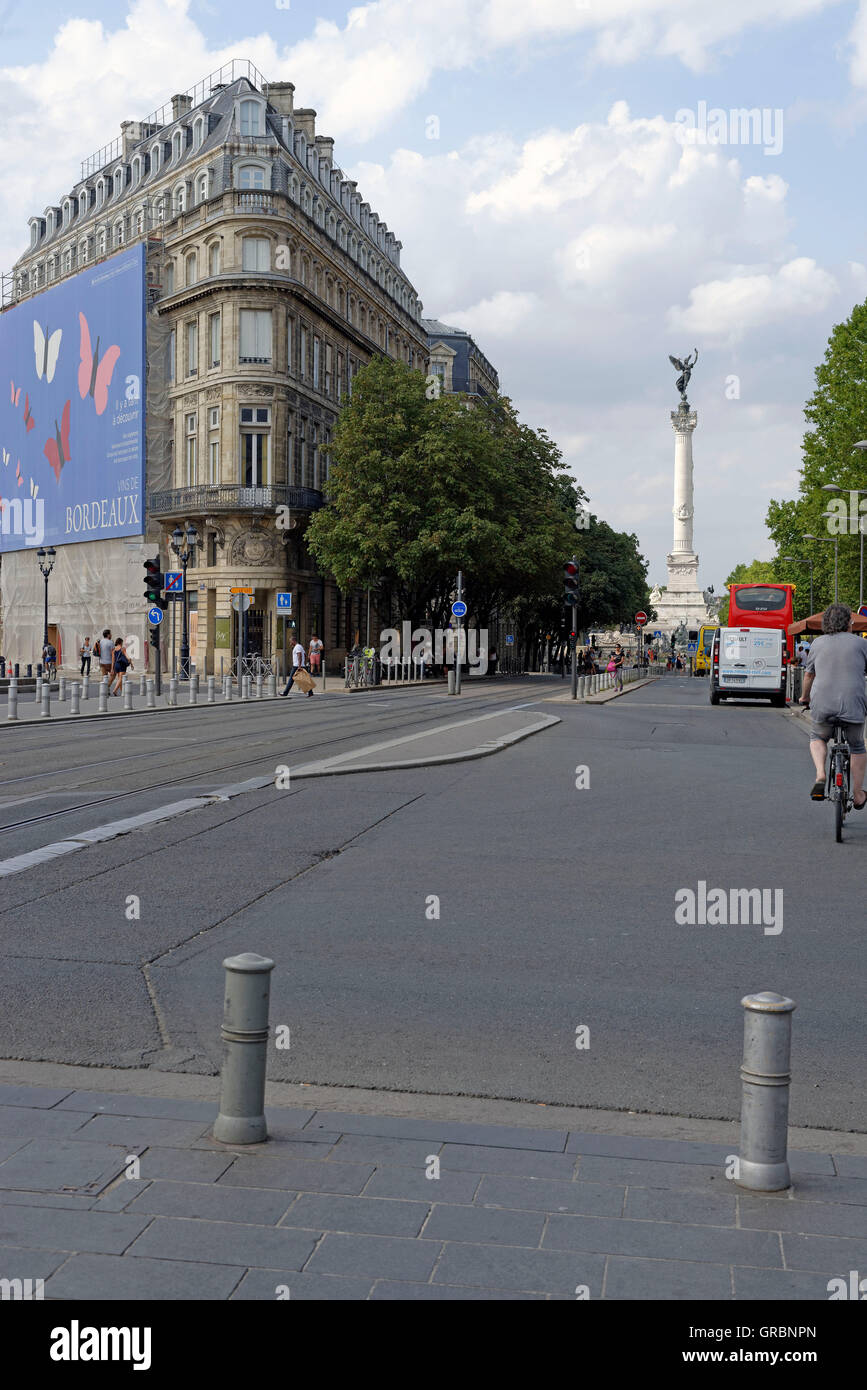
{"x": 458, "y": 361}
{"x": 272, "y": 282}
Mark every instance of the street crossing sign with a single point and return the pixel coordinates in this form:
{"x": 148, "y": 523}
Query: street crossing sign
{"x": 174, "y": 581}
{"x": 509, "y": 640}
{"x": 155, "y": 616}
{"x": 658, "y": 632}
{"x": 284, "y": 603}
{"x": 692, "y": 646}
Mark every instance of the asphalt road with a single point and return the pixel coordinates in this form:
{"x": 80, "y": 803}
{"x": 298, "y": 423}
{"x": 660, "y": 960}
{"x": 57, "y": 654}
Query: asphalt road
{"x": 556, "y": 909}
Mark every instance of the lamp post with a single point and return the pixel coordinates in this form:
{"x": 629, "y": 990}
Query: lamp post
{"x": 793, "y": 560}
{"x": 46, "y": 565}
{"x": 184, "y": 553}
{"x": 828, "y": 540}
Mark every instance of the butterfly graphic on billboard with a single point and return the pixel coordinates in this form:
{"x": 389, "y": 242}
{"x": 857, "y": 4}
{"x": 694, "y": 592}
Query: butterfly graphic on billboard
{"x": 57, "y": 450}
{"x": 34, "y": 489}
{"x": 18, "y": 478}
{"x": 94, "y": 376}
{"x": 28, "y": 418}
{"x": 46, "y": 348}
{"x": 16, "y": 395}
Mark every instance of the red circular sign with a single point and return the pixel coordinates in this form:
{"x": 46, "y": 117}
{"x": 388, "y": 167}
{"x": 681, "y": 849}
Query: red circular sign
{"x": 641, "y": 619}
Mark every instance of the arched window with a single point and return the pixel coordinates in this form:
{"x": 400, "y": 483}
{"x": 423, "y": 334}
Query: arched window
{"x": 306, "y": 201}
{"x": 100, "y": 192}
{"x": 190, "y": 265}
{"x": 250, "y": 113}
{"x": 82, "y": 204}
{"x": 353, "y": 247}
{"x": 180, "y": 198}
{"x": 139, "y": 222}
{"x": 118, "y": 182}
{"x": 67, "y": 212}
{"x": 136, "y": 169}
{"x": 251, "y": 176}
{"x": 176, "y": 146}
{"x": 100, "y": 241}
{"x": 294, "y": 189}
{"x": 305, "y": 271}
{"x": 198, "y": 133}
{"x": 82, "y": 253}
{"x": 156, "y": 157}
{"x": 214, "y": 258}
{"x": 332, "y": 225}
{"x": 118, "y": 233}
{"x": 67, "y": 260}
{"x": 202, "y": 187}
{"x": 169, "y": 278}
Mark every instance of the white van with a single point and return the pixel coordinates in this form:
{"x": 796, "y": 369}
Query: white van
{"x": 748, "y": 663}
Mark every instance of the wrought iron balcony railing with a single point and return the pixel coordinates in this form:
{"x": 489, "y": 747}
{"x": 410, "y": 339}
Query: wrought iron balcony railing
{"x": 233, "y": 497}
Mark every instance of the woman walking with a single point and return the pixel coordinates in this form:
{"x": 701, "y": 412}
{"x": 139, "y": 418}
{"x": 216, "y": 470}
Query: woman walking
{"x": 120, "y": 664}
{"x": 86, "y": 656}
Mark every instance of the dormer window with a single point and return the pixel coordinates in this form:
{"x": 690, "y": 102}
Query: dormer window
{"x": 49, "y": 223}
{"x": 67, "y": 212}
{"x": 100, "y": 193}
{"x": 199, "y": 133}
{"x": 118, "y": 182}
{"x": 180, "y": 198}
{"x": 251, "y": 176}
{"x": 176, "y": 146}
{"x": 250, "y": 118}
{"x": 202, "y": 188}
{"x": 156, "y": 157}
{"x": 136, "y": 169}
{"x": 82, "y": 204}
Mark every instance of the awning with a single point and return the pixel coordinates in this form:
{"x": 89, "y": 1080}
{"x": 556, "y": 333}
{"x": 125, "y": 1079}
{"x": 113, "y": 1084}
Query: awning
{"x": 814, "y": 624}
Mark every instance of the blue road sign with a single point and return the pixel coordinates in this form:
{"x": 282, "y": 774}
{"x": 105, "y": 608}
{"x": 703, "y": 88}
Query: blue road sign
{"x": 284, "y": 603}
{"x": 510, "y": 640}
{"x": 459, "y": 608}
{"x": 155, "y": 616}
{"x": 174, "y": 581}
{"x": 692, "y": 646}
{"x": 657, "y": 633}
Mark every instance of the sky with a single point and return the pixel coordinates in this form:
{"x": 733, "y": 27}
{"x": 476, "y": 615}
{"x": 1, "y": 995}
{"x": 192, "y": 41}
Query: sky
{"x": 569, "y": 186}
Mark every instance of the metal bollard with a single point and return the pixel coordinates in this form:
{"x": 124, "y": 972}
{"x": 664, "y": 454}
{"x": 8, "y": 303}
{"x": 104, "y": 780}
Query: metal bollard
{"x": 451, "y": 680}
{"x": 127, "y": 696}
{"x": 46, "y": 701}
{"x": 582, "y": 687}
{"x": 272, "y": 685}
{"x": 173, "y": 692}
{"x": 227, "y": 688}
{"x": 61, "y": 689}
{"x": 260, "y": 687}
{"x": 765, "y": 1078}
{"x": 151, "y": 695}
{"x": 74, "y": 698}
{"x": 142, "y": 685}
{"x": 194, "y": 693}
{"x": 211, "y": 685}
{"x": 245, "y": 1050}
{"x": 38, "y": 690}
{"x": 102, "y": 706}
{"x": 12, "y": 707}
{"x": 85, "y": 687}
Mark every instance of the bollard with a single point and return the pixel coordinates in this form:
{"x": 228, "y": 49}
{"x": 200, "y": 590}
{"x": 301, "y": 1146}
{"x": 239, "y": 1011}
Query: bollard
{"x": 46, "y": 701}
{"x": 142, "y": 685}
{"x": 38, "y": 689}
{"x": 194, "y": 693}
{"x": 173, "y": 692}
{"x": 245, "y": 1050}
{"x": 765, "y": 1078}
{"x": 272, "y": 685}
{"x": 29, "y": 671}
{"x": 211, "y": 685}
{"x": 12, "y": 710}
{"x": 127, "y": 696}
{"x": 451, "y": 680}
{"x": 74, "y": 697}
{"x": 102, "y": 706}
{"x": 227, "y": 688}
{"x": 582, "y": 687}
{"x": 151, "y": 695}
{"x": 61, "y": 689}
{"x": 260, "y": 687}
{"x": 85, "y": 687}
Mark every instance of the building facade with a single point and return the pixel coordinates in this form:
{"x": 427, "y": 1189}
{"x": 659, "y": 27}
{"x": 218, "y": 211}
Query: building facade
{"x": 458, "y": 361}
{"x": 271, "y": 282}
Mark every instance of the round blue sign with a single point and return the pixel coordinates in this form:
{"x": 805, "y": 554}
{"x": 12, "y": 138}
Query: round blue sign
{"x": 459, "y": 608}
{"x": 155, "y": 616}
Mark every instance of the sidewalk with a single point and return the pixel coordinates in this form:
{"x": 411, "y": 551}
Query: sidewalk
{"x": 345, "y": 1205}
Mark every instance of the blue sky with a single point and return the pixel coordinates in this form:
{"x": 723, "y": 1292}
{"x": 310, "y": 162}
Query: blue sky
{"x": 557, "y": 216}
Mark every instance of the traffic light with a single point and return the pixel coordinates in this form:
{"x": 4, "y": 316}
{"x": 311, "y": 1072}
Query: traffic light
{"x": 570, "y": 581}
{"x": 155, "y": 638}
{"x": 692, "y": 635}
{"x": 155, "y": 582}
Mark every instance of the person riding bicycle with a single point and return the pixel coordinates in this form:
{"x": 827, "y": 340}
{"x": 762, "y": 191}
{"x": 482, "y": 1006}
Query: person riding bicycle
{"x": 49, "y": 659}
{"x": 834, "y": 671}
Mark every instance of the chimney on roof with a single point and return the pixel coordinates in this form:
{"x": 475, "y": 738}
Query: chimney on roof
{"x": 130, "y": 134}
{"x": 280, "y": 96}
{"x": 305, "y": 119}
{"x": 181, "y": 104}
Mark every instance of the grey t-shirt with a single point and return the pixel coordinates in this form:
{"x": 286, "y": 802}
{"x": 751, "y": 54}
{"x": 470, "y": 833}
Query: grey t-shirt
{"x": 839, "y": 662}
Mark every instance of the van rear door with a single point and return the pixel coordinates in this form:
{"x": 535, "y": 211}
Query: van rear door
{"x": 765, "y": 659}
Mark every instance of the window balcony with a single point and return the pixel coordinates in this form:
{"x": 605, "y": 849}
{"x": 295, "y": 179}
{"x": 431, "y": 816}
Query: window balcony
{"x": 216, "y": 499}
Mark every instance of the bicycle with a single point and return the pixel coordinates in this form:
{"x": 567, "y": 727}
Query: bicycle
{"x": 839, "y": 786}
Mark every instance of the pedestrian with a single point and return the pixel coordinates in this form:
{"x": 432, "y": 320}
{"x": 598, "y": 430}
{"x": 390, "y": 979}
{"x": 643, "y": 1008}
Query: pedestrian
{"x": 106, "y": 652}
{"x": 618, "y": 656}
{"x": 298, "y": 663}
{"x": 315, "y": 654}
{"x": 86, "y": 653}
{"x": 120, "y": 663}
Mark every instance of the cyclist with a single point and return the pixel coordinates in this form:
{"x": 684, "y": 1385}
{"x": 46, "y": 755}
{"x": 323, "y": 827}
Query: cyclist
{"x": 834, "y": 671}
{"x": 49, "y": 660}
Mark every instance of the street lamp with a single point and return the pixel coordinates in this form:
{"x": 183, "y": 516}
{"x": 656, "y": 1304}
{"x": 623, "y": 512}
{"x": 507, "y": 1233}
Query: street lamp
{"x": 793, "y": 560}
{"x": 828, "y": 540}
{"x": 184, "y": 554}
{"x": 44, "y": 555}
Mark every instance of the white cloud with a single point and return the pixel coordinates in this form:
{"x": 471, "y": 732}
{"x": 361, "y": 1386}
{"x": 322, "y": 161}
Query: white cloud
{"x": 727, "y": 309}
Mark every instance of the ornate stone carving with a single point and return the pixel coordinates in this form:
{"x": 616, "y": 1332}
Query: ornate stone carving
{"x": 213, "y": 393}
{"x": 259, "y": 391}
{"x": 254, "y": 547}
{"x": 217, "y": 527}
{"x": 683, "y": 512}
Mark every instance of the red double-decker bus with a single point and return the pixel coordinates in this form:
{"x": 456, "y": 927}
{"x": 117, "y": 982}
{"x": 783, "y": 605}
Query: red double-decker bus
{"x": 763, "y": 605}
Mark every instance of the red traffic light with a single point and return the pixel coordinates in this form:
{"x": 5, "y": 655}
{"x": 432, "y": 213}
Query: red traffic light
{"x": 570, "y": 568}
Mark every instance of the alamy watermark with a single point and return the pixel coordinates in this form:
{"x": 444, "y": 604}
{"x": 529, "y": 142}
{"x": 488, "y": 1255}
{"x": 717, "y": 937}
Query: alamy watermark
{"x": 23, "y": 517}
{"x": 441, "y": 646}
{"x": 739, "y": 126}
{"x": 720, "y": 907}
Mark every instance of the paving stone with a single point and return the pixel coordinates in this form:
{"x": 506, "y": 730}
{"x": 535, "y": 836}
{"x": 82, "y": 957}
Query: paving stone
{"x": 305, "y": 1145}
{"x": 849, "y": 1165}
{"x": 113, "y": 1277}
{"x": 637, "y": 1172}
{"x": 830, "y": 1253}
{"x": 16, "y": 1263}
{"x": 663, "y": 1240}
{"x": 369, "y": 1148}
{"x": 666, "y": 1279}
{"x": 357, "y": 1215}
{"x": 302, "y": 1175}
{"x": 249, "y": 1205}
{"x": 662, "y": 1150}
{"x": 527, "y": 1162}
{"x": 482, "y": 1225}
{"x": 35, "y": 1097}
{"x": 691, "y": 1208}
{"x": 773, "y": 1284}
{"x": 533, "y": 1271}
{"x": 811, "y": 1218}
{"x": 224, "y": 1242}
{"x": 141, "y": 1129}
{"x": 183, "y": 1165}
{"x": 412, "y": 1184}
{"x": 811, "y": 1188}
{"x": 443, "y": 1131}
{"x": 446, "y": 1293}
{"x": 114, "y": 1103}
{"x": 10, "y": 1145}
{"x": 46, "y": 1165}
{"x": 261, "y": 1284}
{"x": 385, "y": 1257}
{"x": 31, "y": 1123}
{"x": 118, "y": 1197}
{"x": 547, "y": 1194}
{"x": 95, "y": 1232}
{"x": 47, "y": 1199}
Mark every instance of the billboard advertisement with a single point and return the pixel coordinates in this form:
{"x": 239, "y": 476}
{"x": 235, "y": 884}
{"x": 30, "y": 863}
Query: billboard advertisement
{"x": 72, "y": 384}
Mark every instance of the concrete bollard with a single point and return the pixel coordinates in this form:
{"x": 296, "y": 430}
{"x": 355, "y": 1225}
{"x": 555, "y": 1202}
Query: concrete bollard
{"x": 227, "y": 688}
{"x": 451, "y": 680}
{"x": 765, "y": 1076}
{"x": 46, "y": 701}
{"x": 102, "y": 705}
{"x": 74, "y": 698}
{"x": 211, "y": 688}
{"x": 85, "y": 688}
{"x": 152, "y": 695}
{"x": 61, "y": 689}
{"x": 173, "y": 692}
{"x": 127, "y": 696}
{"x": 260, "y": 687}
{"x": 582, "y": 687}
{"x": 142, "y": 685}
{"x": 194, "y": 693}
{"x": 39, "y": 683}
{"x": 245, "y": 1050}
{"x": 12, "y": 700}
{"x": 272, "y": 685}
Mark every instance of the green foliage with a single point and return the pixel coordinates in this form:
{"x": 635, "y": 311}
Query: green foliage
{"x": 758, "y": 572}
